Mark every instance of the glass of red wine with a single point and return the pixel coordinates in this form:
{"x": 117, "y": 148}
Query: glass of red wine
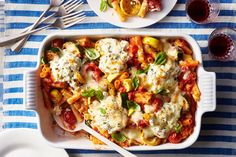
{"x": 222, "y": 44}
{"x": 202, "y": 11}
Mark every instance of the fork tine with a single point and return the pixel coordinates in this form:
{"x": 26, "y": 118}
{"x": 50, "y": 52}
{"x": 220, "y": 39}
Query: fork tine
{"x": 72, "y": 2}
{"x": 67, "y": 3}
{"x": 73, "y": 18}
{"x": 74, "y": 6}
{"x": 76, "y": 21}
{"x": 71, "y": 14}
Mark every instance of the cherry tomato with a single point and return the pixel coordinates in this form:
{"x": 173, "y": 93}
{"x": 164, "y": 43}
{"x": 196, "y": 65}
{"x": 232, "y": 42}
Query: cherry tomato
{"x": 143, "y": 123}
{"x": 175, "y": 138}
{"x": 131, "y": 95}
{"x": 69, "y": 117}
{"x": 97, "y": 73}
{"x": 154, "y": 5}
{"x": 157, "y": 103}
{"x": 58, "y": 43}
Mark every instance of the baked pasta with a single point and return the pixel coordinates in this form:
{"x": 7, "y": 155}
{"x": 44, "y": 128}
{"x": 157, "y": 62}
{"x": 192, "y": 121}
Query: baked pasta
{"x": 138, "y": 90}
{"x": 127, "y": 8}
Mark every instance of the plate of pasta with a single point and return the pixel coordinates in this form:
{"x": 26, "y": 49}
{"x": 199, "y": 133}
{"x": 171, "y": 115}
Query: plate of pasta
{"x": 132, "y": 13}
{"x": 140, "y": 90}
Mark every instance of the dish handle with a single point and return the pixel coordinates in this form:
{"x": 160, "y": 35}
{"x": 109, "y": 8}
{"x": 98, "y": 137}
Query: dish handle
{"x": 31, "y": 84}
{"x": 207, "y": 82}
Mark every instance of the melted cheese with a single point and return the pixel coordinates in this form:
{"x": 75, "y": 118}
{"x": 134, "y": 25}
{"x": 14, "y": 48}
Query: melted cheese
{"x": 63, "y": 68}
{"x": 113, "y": 118}
{"x": 114, "y": 55}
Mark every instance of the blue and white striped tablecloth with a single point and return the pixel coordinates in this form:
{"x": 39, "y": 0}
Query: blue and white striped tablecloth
{"x": 218, "y": 133}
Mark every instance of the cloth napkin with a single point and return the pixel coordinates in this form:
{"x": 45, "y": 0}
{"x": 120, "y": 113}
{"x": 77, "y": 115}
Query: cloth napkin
{"x": 218, "y": 132}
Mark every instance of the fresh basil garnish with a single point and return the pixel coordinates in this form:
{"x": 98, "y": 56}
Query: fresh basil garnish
{"x": 178, "y": 128}
{"x": 119, "y": 137}
{"x": 102, "y": 110}
{"x": 103, "y": 5}
{"x": 88, "y": 93}
{"x": 143, "y": 71}
{"x": 92, "y": 53}
{"x": 124, "y": 98}
{"x": 99, "y": 95}
{"x": 135, "y": 82}
{"x": 161, "y": 58}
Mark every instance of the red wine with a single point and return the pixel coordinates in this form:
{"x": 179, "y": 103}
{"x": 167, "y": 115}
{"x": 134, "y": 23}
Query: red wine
{"x": 198, "y": 10}
{"x": 220, "y": 45}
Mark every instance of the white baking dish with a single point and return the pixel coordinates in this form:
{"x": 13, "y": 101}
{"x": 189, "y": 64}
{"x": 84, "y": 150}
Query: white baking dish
{"x": 206, "y": 82}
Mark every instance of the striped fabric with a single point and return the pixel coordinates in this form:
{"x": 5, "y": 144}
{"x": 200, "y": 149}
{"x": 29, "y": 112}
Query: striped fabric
{"x": 218, "y": 133}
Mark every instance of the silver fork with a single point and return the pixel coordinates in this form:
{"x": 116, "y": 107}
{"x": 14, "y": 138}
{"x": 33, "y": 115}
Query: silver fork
{"x": 61, "y": 23}
{"x": 63, "y": 9}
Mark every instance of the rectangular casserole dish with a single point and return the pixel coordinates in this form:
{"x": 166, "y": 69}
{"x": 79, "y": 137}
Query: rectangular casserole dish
{"x": 34, "y": 100}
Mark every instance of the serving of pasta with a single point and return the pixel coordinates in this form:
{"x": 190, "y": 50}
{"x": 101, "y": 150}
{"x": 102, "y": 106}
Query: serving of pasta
{"x": 137, "y": 90}
{"x": 127, "y": 8}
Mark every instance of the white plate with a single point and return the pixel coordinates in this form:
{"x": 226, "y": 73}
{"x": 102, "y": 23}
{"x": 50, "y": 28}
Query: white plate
{"x": 27, "y": 143}
{"x": 132, "y": 22}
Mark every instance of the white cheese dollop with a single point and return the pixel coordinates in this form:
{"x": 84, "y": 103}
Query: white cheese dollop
{"x": 114, "y": 55}
{"x": 64, "y": 67}
{"x": 108, "y": 114}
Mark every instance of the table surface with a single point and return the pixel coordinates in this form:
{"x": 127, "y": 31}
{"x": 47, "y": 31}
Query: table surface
{"x": 218, "y": 133}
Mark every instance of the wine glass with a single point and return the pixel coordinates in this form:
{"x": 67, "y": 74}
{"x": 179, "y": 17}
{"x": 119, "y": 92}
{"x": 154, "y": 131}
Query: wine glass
{"x": 202, "y": 11}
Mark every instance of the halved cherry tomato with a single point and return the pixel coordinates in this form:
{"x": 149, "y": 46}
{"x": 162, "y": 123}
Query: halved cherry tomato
{"x": 69, "y": 117}
{"x": 57, "y": 43}
{"x": 97, "y": 73}
{"x": 157, "y": 103}
{"x": 175, "y": 138}
{"x": 143, "y": 123}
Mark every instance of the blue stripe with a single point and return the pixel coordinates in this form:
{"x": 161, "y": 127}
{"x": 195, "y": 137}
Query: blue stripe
{"x": 214, "y": 151}
{"x": 29, "y": 1}
{"x": 20, "y": 125}
{"x": 220, "y": 115}
{"x": 92, "y": 14}
{"x": 107, "y": 25}
{"x": 217, "y": 138}
{"x": 1, "y": 92}
{"x": 13, "y": 77}
{"x": 218, "y": 127}
{"x": 214, "y": 63}
{"x": 226, "y": 88}
{"x": 24, "y": 51}
{"x": 226, "y": 101}
{"x": 226, "y": 75}
{"x": 13, "y": 101}
{"x": 19, "y": 113}
{"x": 20, "y": 64}
{"x": 14, "y": 90}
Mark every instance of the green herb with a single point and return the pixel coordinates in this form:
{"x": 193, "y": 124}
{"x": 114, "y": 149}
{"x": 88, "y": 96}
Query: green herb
{"x": 135, "y": 82}
{"x": 178, "y": 128}
{"x": 54, "y": 49}
{"x": 43, "y": 60}
{"x": 92, "y": 54}
{"x": 88, "y": 122}
{"x": 162, "y": 91}
{"x": 88, "y": 93}
{"x": 99, "y": 95}
{"x": 103, "y": 5}
{"x": 119, "y": 137}
{"x": 132, "y": 107}
{"x": 91, "y": 93}
{"x": 143, "y": 71}
{"x": 109, "y": 2}
{"x": 124, "y": 98}
{"x": 161, "y": 58}
{"x": 102, "y": 110}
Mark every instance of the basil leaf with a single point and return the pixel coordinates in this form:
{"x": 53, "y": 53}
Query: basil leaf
{"x": 133, "y": 105}
{"x": 143, "y": 71}
{"x": 119, "y": 137}
{"x": 162, "y": 91}
{"x": 103, "y": 5}
{"x": 92, "y": 53}
{"x": 161, "y": 58}
{"x": 135, "y": 82}
{"x": 178, "y": 128}
{"x": 99, "y": 95}
{"x": 88, "y": 93}
{"x": 102, "y": 110}
{"x": 54, "y": 49}
{"x": 124, "y": 98}
{"x": 88, "y": 122}
{"x": 43, "y": 60}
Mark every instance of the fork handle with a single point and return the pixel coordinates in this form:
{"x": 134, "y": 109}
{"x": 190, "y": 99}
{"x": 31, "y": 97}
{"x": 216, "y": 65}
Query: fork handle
{"x": 8, "y": 40}
{"x": 17, "y": 46}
